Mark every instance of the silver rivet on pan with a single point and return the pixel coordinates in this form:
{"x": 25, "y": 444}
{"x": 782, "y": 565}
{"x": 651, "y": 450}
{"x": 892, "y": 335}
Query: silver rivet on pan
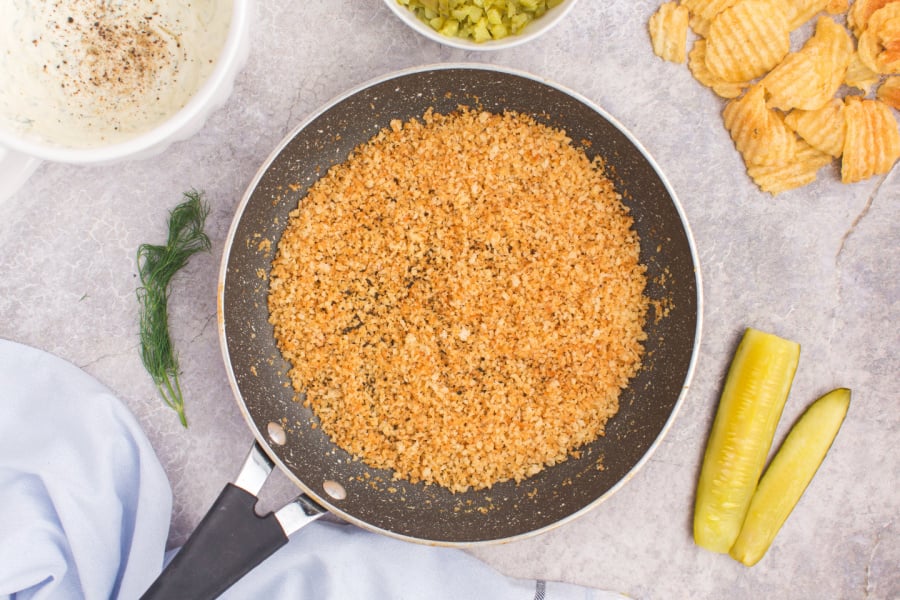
{"x": 334, "y": 489}
{"x": 276, "y": 433}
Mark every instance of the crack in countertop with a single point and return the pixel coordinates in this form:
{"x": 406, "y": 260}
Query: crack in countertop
{"x": 839, "y": 291}
{"x": 862, "y": 214}
{"x": 203, "y": 328}
{"x": 86, "y": 365}
{"x": 868, "y": 589}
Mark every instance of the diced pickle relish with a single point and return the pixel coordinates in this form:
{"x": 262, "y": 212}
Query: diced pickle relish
{"x": 479, "y": 20}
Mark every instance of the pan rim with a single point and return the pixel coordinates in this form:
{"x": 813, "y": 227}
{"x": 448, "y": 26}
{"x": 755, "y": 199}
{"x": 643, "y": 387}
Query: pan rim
{"x": 260, "y": 436}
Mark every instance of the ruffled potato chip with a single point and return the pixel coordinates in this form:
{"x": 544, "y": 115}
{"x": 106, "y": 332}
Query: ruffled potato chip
{"x": 860, "y": 11}
{"x": 699, "y": 25}
{"x": 743, "y": 55}
{"x": 799, "y": 12}
{"x": 879, "y": 43}
{"x": 697, "y": 65}
{"x": 837, "y": 7}
{"x": 807, "y": 79}
{"x": 759, "y": 133}
{"x": 889, "y": 92}
{"x": 703, "y": 12}
{"x": 822, "y": 128}
{"x": 668, "y": 32}
{"x": 747, "y": 39}
{"x": 799, "y": 170}
{"x": 707, "y": 9}
{"x": 871, "y": 142}
{"x": 859, "y": 75}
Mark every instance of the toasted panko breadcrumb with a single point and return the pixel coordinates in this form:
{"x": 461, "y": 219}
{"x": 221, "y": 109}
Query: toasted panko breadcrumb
{"x": 461, "y": 300}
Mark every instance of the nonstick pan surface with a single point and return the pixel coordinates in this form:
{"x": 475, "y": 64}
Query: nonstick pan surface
{"x": 373, "y": 499}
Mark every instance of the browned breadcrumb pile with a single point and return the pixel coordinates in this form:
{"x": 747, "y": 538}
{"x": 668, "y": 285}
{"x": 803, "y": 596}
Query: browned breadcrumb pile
{"x": 461, "y": 300}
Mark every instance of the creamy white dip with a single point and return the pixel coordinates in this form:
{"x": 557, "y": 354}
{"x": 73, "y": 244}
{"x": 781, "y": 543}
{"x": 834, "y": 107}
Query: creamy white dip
{"x": 83, "y": 73}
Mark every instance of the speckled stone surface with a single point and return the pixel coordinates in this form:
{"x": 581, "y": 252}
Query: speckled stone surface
{"x": 818, "y": 265}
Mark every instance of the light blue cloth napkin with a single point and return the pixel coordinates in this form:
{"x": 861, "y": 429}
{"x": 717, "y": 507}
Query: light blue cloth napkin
{"x": 85, "y": 509}
{"x": 84, "y": 502}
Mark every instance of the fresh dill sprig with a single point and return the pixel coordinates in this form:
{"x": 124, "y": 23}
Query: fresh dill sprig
{"x": 156, "y": 266}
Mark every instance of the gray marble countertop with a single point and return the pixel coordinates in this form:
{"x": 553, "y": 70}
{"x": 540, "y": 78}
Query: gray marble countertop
{"x": 817, "y": 265}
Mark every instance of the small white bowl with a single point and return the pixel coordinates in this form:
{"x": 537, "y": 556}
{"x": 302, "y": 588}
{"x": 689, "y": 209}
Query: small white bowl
{"x": 20, "y": 154}
{"x": 535, "y": 28}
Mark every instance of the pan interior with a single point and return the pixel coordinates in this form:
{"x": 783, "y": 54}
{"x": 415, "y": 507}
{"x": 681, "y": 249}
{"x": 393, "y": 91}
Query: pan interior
{"x": 430, "y": 513}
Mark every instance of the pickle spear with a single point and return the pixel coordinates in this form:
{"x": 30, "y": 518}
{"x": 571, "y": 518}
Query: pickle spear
{"x": 790, "y": 471}
{"x": 750, "y": 406}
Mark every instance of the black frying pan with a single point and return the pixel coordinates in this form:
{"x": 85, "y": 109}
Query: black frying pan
{"x": 328, "y": 477}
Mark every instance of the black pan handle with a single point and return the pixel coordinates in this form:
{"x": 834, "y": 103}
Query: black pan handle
{"x": 231, "y": 539}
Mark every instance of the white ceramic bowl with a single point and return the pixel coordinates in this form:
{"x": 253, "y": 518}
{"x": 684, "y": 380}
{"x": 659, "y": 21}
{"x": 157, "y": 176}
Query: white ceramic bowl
{"x": 20, "y": 155}
{"x": 537, "y": 27}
